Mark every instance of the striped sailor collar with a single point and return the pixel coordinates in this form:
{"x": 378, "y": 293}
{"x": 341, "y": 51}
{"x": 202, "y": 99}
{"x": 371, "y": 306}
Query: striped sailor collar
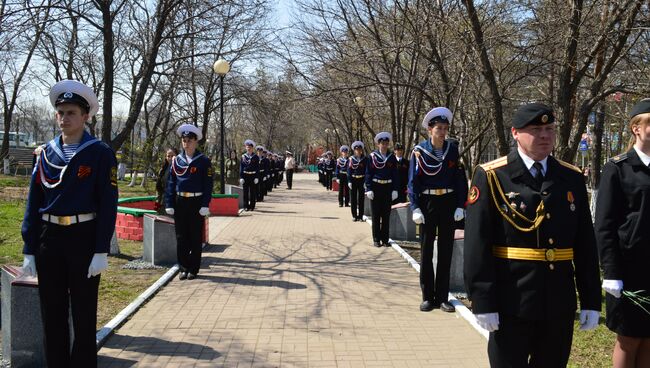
{"x": 56, "y": 144}
{"x": 187, "y": 161}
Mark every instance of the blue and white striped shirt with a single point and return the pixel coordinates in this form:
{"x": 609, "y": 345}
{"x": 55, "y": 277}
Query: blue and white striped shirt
{"x": 69, "y": 150}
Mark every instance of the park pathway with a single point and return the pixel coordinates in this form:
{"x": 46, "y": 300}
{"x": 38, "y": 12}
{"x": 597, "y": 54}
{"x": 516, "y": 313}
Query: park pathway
{"x": 296, "y": 283}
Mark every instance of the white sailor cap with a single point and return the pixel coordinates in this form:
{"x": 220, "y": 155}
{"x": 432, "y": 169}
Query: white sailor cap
{"x": 356, "y": 144}
{"x": 383, "y": 135}
{"x": 74, "y": 92}
{"x": 186, "y": 130}
{"x": 249, "y": 142}
{"x": 288, "y": 153}
{"x": 344, "y": 148}
{"x": 260, "y": 148}
{"x": 328, "y": 153}
{"x": 437, "y": 115}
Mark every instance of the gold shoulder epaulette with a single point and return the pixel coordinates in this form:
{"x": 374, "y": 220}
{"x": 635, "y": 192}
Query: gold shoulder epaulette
{"x": 501, "y": 161}
{"x": 568, "y": 165}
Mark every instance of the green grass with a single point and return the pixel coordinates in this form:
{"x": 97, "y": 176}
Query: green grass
{"x": 13, "y": 181}
{"x": 11, "y": 243}
{"x": 593, "y": 348}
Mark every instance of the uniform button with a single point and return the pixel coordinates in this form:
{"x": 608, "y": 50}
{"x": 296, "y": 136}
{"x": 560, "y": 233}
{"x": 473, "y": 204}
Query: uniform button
{"x": 551, "y": 241}
{"x": 548, "y": 215}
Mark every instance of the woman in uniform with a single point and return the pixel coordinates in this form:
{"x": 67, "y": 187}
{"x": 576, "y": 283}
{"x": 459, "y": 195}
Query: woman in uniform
{"x": 381, "y": 187}
{"x": 163, "y": 176}
{"x": 623, "y": 235}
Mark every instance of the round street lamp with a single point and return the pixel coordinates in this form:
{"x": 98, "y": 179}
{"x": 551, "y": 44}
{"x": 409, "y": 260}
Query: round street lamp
{"x": 221, "y": 67}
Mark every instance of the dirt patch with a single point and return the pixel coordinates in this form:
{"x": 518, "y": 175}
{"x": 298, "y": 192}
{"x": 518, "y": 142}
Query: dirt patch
{"x": 14, "y": 193}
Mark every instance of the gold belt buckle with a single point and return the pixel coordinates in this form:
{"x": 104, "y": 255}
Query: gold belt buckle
{"x": 65, "y": 220}
{"x": 550, "y": 255}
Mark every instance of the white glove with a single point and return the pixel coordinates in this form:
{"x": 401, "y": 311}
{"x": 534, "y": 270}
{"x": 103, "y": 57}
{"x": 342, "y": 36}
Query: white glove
{"x": 459, "y": 214}
{"x": 418, "y": 217}
{"x": 256, "y": 180}
{"x": 393, "y": 195}
{"x": 170, "y": 211}
{"x": 588, "y": 319}
{"x": 241, "y": 181}
{"x": 489, "y": 321}
{"x": 204, "y": 211}
{"x": 264, "y": 178}
{"x": 370, "y": 195}
{"x": 98, "y": 264}
{"x": 350, "y": 185}
{"x": 29, "y": 265}
{"x": 338, "y": 181}
{"x": 613, "y": 287}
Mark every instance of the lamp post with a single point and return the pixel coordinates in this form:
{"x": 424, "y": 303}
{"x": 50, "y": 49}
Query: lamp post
{"x": 359, "y": 102}
{"x": 327, "y": 139}
{"x": 221, "y": 67}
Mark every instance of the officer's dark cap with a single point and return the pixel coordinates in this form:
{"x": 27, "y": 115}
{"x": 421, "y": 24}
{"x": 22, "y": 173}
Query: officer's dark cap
{"x": 190, "y": 135}
{"x": 72, "y": 98}
{"x": 533, "y": 114}
{"x": 399, "y": 146}
{"x": 641, "y": 107}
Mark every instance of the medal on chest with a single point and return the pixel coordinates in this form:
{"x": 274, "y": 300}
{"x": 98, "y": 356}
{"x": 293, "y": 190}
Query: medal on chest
{"x": 570, "y": 199}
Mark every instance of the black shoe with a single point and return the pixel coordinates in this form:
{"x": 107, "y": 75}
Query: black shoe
{"x": 191, "y": 276}
{"x": 447, "y": 307}
{"x": 340, "y": 205}
{"x": 376, "y": 244}
{"x": 354, "y": 219}
{"x": 182, "y": 275}
{"x": 426, "y": 306}
{"x": 347, "y": 205}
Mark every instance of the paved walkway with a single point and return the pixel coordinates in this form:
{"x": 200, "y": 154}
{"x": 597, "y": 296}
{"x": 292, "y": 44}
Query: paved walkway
{"x": 294, "y": 284}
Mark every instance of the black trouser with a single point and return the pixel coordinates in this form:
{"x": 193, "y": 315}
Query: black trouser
{"x": 189, "y": 231}
{"x": 289, "y": 178}
{"x": 62, "y": 262}
{"x": 344, "y": 191}
{"x": 261, "y": 188}
{"x": 380, "y": 206}
{"x": 269, "y": 182}
{"x": 438, "y": 211}
{"x": 401, "y": 195}
{"x": 358, "y": 197}
{"x": 280, "y": 176}
{"x": 321, "y": 177}
{"x": 328, "y": 179}
{"x": 524, "y": 343}
{"x": 250, "y": 191}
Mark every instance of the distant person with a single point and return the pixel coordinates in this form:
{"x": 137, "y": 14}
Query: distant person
{"x": 402, "y": 172}
{"x": 163, "y": 176}
{"x": 356, "y": 178}
{"x": 232, "y": 168}
{"x": 289, "y": 166}
{"x": 68, "y": 224}
{"x": 121, "y": 171}
{"x": 188, "y": 196}
{"x": 329, "y": 166}
{"x": 249, "y": 171}
{"x": 341, "y": 173}
{"x": 623, "y": 235}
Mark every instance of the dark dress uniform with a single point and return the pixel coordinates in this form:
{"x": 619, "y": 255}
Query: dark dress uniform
{"x": 437, "y": 186}
{"x": 262, "y": 185}
{"x": 527, "y": 247}
{"x": 623, "y": 234}
{"x": 382, "y": 180}
{"x": 279, "y": 164}
{"x": 403, "y": 173}
{"x": 249, "y": 171}
{"x": 356, "y": 175}
{"x": 70, "y": 216}
{"x": 329, "y": 166}
{"x": 342, "y": 174}
{"x": 321, "y": 171}
{"x": 189, "y": 188}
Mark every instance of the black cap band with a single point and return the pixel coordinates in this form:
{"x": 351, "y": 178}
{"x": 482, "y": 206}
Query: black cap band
{"x": 72, "y": 98}
{"x": 189, "y": 134}
{"x": 438, "y": 119}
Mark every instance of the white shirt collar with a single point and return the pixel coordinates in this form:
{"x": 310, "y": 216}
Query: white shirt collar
{"x": 644, "y": 158}
{"x": 529, "y": 161}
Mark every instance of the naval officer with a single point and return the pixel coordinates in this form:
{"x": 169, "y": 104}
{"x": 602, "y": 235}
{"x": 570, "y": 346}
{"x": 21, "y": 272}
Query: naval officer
{"x": 529, "y": 242}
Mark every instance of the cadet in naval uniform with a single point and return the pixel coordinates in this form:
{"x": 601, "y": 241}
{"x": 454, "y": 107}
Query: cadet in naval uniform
{"x": 402, "y": 172}
{"x": 329, "y": 166}
{"x": 382, "y": 182}
{"x": 356, "y": 178}
{"x": 341, "y": 174}
{"x": 265, "y": 168}
{"x": 623, "y": 235}
{"x": 529, "y": 242}
{"x": 437, "y": 192}
{"x": 289, "y": 166}
{"x": 248, "y": 174}
{"x": 68, "y": 224}
{"x": 189, "y": 191}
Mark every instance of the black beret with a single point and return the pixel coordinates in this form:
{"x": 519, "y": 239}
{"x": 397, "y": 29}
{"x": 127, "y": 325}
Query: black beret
{"x": 72, "y": 98}
{"x": 641, "y": 107}
{"x": 534, "y": 113}
{"x": 399, "y": 146}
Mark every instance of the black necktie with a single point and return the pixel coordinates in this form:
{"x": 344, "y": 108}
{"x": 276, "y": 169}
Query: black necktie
{"x": 539, "y": 176}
